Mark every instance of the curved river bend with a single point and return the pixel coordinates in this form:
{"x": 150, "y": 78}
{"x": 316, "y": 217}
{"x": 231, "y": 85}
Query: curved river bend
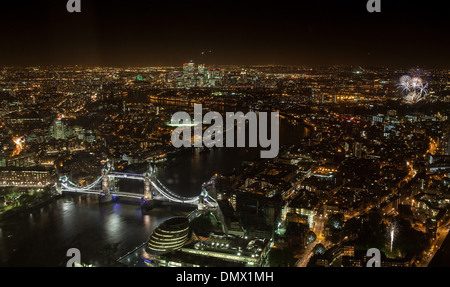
{"x": 105, "y": 232}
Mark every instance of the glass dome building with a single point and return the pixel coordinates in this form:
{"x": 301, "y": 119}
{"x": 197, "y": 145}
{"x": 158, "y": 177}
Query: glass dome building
{"x": 169, "y": 236}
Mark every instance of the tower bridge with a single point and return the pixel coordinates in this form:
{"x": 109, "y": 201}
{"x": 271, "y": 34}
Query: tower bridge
{"x": 105, "y": 187}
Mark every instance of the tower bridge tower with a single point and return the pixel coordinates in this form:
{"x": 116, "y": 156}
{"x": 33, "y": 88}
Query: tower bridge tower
{"x": 108, "y": 183}
{"x": 148, "y": 187}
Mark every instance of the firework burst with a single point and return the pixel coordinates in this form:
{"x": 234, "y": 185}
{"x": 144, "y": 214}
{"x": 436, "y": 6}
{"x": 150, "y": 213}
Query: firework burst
{"x": 392, "y": 232}
{"x": 413, "y": 87}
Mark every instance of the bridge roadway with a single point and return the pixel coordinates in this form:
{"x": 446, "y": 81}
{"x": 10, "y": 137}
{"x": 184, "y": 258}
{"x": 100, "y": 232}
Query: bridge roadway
{"x": 154, "y": 191}
{"x": 124, "y": 194}
{"x": 104, "y": 186}
{"x": 127, "y": 175}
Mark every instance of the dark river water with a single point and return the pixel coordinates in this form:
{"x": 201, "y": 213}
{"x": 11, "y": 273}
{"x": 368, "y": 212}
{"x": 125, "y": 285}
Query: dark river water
{"x": 104, "y": 232}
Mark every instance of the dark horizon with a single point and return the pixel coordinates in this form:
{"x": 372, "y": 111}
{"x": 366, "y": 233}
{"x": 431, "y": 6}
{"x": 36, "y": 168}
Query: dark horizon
{"x": 145, "y": 33}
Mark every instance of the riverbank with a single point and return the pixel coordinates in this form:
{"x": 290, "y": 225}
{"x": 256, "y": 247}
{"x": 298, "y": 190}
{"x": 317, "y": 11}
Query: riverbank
{"x": 28, "y": 208}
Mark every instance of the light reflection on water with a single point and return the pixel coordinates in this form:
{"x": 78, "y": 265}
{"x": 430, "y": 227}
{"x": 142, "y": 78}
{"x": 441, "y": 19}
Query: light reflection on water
{"x": 104, "y": 232}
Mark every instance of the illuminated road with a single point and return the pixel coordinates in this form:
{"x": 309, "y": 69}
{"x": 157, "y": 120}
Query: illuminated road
{"x": 436, "y": 245}
{"x": 317, "y": 229}
{"x": 303, "y": 261}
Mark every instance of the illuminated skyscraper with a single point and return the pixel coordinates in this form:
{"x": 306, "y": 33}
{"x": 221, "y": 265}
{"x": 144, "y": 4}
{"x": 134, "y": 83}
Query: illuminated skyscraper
{"x": 201, "y": 76}
{"x": 201, "y": 69}
{"x": 59, "y": 130}
{"x": 214, "y": 77}
{"x": 189, "y": 74}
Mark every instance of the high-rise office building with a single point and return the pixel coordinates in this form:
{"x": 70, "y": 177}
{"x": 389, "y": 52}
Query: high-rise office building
{"x": 201, "y": 69}
{"x": 189, "y": 74}
{"x": 201, "y": 75}
{"x": 59, "y": 129}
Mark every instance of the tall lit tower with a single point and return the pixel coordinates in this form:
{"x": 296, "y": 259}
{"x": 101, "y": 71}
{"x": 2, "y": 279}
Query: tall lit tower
{"x": 189, "y": 74}
{"x": 201, "y": 69}
{"x": 201, "y": 74}
{"x": 59, "y": 129}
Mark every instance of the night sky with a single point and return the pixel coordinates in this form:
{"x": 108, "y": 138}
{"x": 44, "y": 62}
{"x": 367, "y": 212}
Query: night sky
{"x": 143, "y": 33}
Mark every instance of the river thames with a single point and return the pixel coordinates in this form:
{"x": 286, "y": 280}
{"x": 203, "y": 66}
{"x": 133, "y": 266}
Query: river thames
{"x": 105, "y": 232}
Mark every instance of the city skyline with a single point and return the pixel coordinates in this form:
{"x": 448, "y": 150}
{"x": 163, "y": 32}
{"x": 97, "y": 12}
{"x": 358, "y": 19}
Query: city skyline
{"x": 356, "y": 146}
{"x": 136, "y": 134}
